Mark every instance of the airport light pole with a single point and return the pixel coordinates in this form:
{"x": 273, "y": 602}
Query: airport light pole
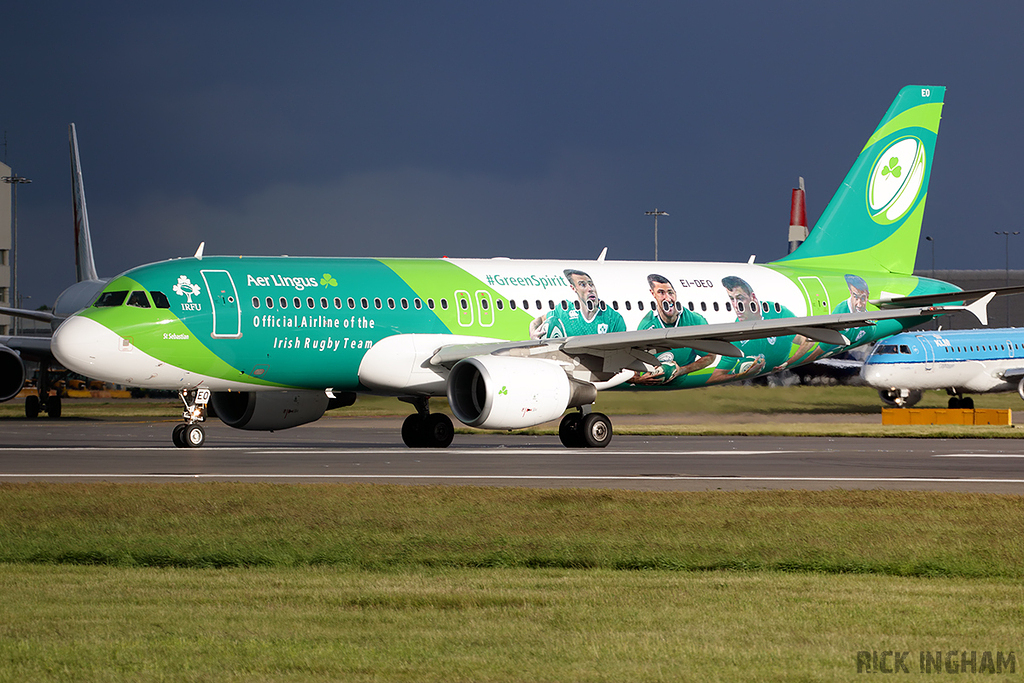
{"x": 655, "y": 213}
{"x": 14, "y": 181}
{"x": 1007, "y": 235}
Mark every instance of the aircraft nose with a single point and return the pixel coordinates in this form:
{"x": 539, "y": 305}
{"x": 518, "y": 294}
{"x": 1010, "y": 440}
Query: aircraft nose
{"x": 84, "y": 346}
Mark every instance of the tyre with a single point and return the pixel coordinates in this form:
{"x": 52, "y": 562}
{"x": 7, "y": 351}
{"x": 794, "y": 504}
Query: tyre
{"x": 194, "y": 436}
{"x": 437, "y": 431}
{"x": 569, "y": 431}
{"x": 178, "y": 435}
{"x": 597, "y": 430}
{"x": 32, "y": 407}
{"x": 412, "y": 431}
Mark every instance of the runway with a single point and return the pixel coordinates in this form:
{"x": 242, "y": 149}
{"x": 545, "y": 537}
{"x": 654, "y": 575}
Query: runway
{"x": 370, "y": 450}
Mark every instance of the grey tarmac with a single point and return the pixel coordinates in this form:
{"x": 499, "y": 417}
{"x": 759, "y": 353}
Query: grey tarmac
{"x": 350, "y": 450}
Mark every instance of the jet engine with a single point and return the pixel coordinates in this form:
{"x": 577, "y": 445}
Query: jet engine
{"x": 505, "y": 392}
{"x": 12, "y": 373}
{"x": 270, "y": 410}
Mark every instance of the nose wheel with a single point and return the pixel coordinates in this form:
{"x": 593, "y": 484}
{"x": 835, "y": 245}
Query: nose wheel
{"x": 191, "y": 434}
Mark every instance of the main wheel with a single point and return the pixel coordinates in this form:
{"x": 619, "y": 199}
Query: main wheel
{"x": 31, "y": 406}
{"x": 597, "y": 430}
{"x": 569, "y": 431}
{"x": 954, "y": 403}
{"x": 194, "y": 436}
{"x": 437, "y": 431}
{"x": 967, "y": 402}
{"x": 412, "y": 431}
{"x": 53, "y": 406}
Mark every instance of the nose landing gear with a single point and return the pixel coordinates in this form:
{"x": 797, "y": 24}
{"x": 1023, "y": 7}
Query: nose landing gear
{"x": 191, "y": 434}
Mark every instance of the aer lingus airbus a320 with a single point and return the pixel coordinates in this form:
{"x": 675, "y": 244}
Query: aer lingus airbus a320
{"x": 272, "y": 343}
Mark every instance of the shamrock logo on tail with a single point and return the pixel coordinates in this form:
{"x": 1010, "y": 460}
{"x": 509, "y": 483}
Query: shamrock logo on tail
{"x": 328, "y": 281}
{"x": 893, "y": 168}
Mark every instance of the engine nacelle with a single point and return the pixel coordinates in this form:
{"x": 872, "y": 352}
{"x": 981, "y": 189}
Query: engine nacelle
{"x": 12, "y": 373}
{"x": 505, "y": 392}
{"x": 268, "y": 410}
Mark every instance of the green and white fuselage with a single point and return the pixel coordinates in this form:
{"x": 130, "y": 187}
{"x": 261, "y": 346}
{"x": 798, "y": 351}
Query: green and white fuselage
{"x": 251, "y": 323}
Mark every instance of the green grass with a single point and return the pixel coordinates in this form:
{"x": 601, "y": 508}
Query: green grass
{"x": 328, "y": 624}
{"x": 394, "y": 527}
{"x": 215, "y": 582}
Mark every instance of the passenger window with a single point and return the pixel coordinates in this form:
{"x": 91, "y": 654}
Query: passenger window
{"x": 377, "y": 303}
{"x": 297, "y": 302}
{"x": 565, "y": 305}
{"x": 639, "y": 305}
{"x": 391, "y": 304}
{"x": 160, "y": 300}
{"x": 405, "y": 304}
{"x": 255, "y": 302}
{"x": 576, "y": 304}
{"x": 270, "y": 302}
{"x": 417, "y": 303}
{"x": 703, "y": 306}
{"x": 778, "y": 307}
{"x": 337, "y": 302}
{"x": 324, "y": 303}
{"x": 615, "y": 305}
{"x": 284, "y": 302}
{"x": 364, "y": 303}
{"x": 444, "y": 304}
{"x": 111, "y": 299}
{"x": 351, "y": 303}
{"x": 512, "y": 304}
{"x": 430, "y": 304}
{"x": 714, "y": 305}
{"x": 310, "y": 303}
{"x": 628, "y": 306}
{"x": 539, "y": 307}
{"x": 138, "y": 300}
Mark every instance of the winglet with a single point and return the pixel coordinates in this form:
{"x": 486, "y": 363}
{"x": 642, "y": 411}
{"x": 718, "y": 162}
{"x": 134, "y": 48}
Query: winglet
{"x": 199, "y": 252}
{"x": 604, "y": 252}
{"x": 84, "y": 264}
{"x": 980, "y": 308}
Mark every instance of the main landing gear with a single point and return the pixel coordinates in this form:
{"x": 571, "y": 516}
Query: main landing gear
{"x": 424, "y": 429}
{"x": 41, "y": 401}
{"x": 961, "y": 401}
{"x": 191, "y": 434}
{"x": 585, "y": 429}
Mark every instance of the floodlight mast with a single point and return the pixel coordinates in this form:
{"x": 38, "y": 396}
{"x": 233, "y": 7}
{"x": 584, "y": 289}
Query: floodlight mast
{"x": 655, "y": 213}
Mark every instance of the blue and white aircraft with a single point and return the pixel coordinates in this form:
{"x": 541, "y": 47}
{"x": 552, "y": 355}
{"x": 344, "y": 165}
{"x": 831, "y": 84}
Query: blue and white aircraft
{"x": 959, "y": 361}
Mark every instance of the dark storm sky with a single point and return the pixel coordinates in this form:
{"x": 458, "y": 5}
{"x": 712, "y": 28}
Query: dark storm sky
{"x": 478, "y": 129}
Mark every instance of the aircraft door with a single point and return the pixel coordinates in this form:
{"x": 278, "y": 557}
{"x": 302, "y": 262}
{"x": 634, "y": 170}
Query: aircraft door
{"x": 929, "y": 352}
{"x": 1009, "y": 348}
{"x": 464, "y": 307}
{"x": 227, "y": 316}
{"x": 817, "y": 296}
{"x": 486, "y": 312}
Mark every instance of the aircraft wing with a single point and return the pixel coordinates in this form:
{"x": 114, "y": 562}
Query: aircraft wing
{"x": 1012, "y": 373}
{"x": 945, "y": 297}
{"x": 41, "y": 316}
{"x": 29, "y": 348}
{"x": 620, "y": 350}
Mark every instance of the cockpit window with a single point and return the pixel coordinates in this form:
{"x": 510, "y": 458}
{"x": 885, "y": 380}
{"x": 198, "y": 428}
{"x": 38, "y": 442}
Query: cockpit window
{"x": 905, "y": 349}
{"x": 138, "y": 300}
{"x": 883, "y": 349}
{"x": 160, "y": 300}
{"x": 109, "y": 299}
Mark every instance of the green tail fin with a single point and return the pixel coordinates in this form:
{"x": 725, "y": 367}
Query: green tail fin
{"x": 874, "y": 220}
